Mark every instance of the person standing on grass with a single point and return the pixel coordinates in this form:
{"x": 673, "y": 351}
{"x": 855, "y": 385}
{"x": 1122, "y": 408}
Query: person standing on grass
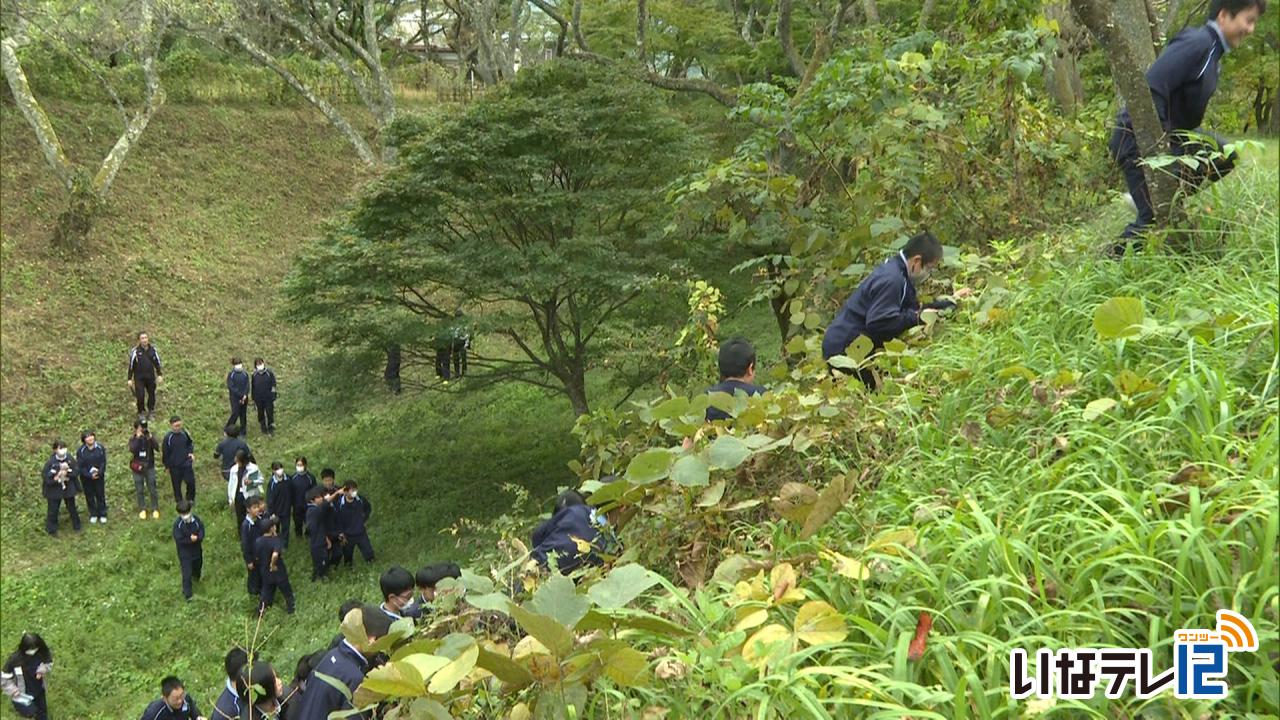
{"x": 145, "y": 374}
{"x": 885, "y": 305}
{"x": 179, "y": 455}
{"x": 737, "y": 361}
{"x": 238, "y": 395}
{"x": 460, "y": 343}
{"x": 263, "y": 389}
{"x": 279, "y": 500}
{"x": 317, "y": 538}
{"x": 91, "y": 459}
{"x": 188, "y": 535}
{"x": 227, "y": 707}
{"x": 22, "y": 677}
{"x": 250, "y": 531}
{"x": 142, "y": 463}
{"x": 332, "y": 525}
{"x": 268, "y": 555}
{"x": 174, "y": 703}
{"x": 1182, "y": 80}
{"x": 353, "y": 512}
{"x": 61, "y": 481}
{"x": 345, "y": 662}
{"x": 244, "y": 482}
{"x": 227, "y": 448}
{"x": 300, "y": 483}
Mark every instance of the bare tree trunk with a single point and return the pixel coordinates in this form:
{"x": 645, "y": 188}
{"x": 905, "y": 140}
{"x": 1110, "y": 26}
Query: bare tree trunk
{"x": 871, "y": 11}
{"x": 46, "y": 136}
{"x": 153, "y": 98}
{"x": 1121, "y": 29}
{"x": 784, "y": 38}
{"x": 576, "y": 388}
{"x": 1062, "y": 72}
{"x": 926, "y": 11}
{"x": 642, "y": 20}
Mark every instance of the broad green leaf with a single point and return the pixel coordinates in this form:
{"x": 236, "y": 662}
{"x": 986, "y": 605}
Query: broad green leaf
{"x": 448, "y": 677}
{"x": 671, "y": 408}
{"x": 399, "y": 678}
{"x": 722, "y": 401}
{"x": 425, "y": 647}
{"x": 559, "y": 600}
{"x": 649, "y": 466}
{"x": 496, "y": 602}
{"x": 691, "y": 470}
{"x": 622, "y": 585}
{"x": 426, "y": 665}
{"x": 504, "y": 668}
{"x": 728, "y": 452}
{"x": 712, "y": 495}
{"x": 627, "y": 667}
{"x": 1097, "y": 408}
{"x": 759, "y": 647}
{"x": 474, "y": 583}
{"x": 554, "y": 636}
{"x": 817, "y": 623}
{"x": 631, "y": 620}
{"x": 353, "y": 628}
{"x": 730, "y": 569}
{"x": 428, "y": 709}
{"x": 1118, "y": 317}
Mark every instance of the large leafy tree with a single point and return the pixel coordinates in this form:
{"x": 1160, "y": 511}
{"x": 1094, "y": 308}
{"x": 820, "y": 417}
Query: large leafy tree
{"x": 536, "y": 206}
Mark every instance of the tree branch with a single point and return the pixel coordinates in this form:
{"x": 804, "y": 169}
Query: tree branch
{"x": 46, "y": 136}
{"x": 784, "y": 37}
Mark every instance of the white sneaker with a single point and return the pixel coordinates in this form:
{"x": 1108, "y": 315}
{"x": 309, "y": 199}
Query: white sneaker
{"x": 93, "y": 521}
{"x": 1128, "y": 200}
{"x": 102, "y": 520}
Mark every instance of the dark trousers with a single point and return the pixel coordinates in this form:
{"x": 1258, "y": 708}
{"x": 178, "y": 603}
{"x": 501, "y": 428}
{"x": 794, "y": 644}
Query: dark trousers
{"x": 254, "y": 582}
{"x": 357, "y": 541}
{"x": 51, "y": 519}
{"x": 442, "y": 363}
{"x": 241, "y": 511}
{"x": 38, "y": 709}
{"x": 192, "y": 563}
{"x": 299, "y": 520}
{"x": 239, "y": 413}
{"x": 1124, "y": 150}
{"x": 319, "y": 561}
{"x": 335, "y": 551}
{"x": 145, "y": 388}
{"x": 459, "y": 353}
{"x": 268, "y": 594}
{"x": 266, "y": 414}
{"x": 283, "y": 520}
{"x": 95, "y": 496}
{"x": 181, "y": 476}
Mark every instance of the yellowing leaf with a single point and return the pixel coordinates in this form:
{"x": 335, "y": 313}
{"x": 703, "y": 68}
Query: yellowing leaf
{"x": 520, "y": 712}
{"x": 757, "y": 649}
{"x": 753, "y": 590}
{"x": 749, "y": 617}
{"x": 1097, "y": 408}
{"x": 889, "y": 542}
{"x": 818, "y": 623}
{"x": 782, "y": 580}
{"x": 448, "y": 677}
{"x": 846, "y": 566}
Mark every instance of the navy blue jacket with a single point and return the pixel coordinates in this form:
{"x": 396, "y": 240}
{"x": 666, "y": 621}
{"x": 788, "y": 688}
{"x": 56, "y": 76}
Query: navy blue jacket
{"x": 250, "y": 531}
{"x": 54, "y": 488}
{"x": 555, "y": 537}
{"x": 332, "y": 526}
{"x": 144, "y": 364}
{"x": 237, "y": 384}
{"x": 729, "y": 386}
{"x": 1184, "y": 77}
{"x": 299, "y": 484}
{"x": 279, "y": 497}
{"x": 315, "y": 522}
{"x": 158, "y": 710}
{"x": 87, "y": 459}
{"x": 176, "y": 447}
{"x": 226, "y": 452}
{"x": 228, "y": 705}
{"x": 883, "y": 307}
{"x": 352, "y": 515}
{"x": 263, "y": 548}
{"x": 264, "y": 386}
{"x": 342, "y": 663}
{"x": 182, "y": 532}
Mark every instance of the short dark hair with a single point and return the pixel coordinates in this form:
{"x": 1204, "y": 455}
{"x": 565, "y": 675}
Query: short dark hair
{"x": 428, "y": 576}
{"x": 350, "y": 485}
{"x": 394, "y": 581}
{"x": 174, "y": 418}
{"x": 1234, "y": 7}
{"x": 235, "y": 360}
{"x": 254, "y": 501}
{"x": 925, "y": 245}
{"x": 236, "y": 659}
{"x": 347, "y": 607}
{"x": 242, "y": 454}
{"x": 376, "y": 623}
{"x": 569, "y": 498}
{"x": 326, "y": 473}
{"x": 58, "y": 444}
{"x": 301, "y": 459}
{"x": 169, "y": 684}
{"x": 141, "y": 333}
{"x": 736, "y": 357}
{"x": 313, "y": 493}
{"x": 184, "y": 507}
{"x": 85, "y": 435}
{"x": 277, "y": 465}
{"x": 232, "y": 430}
{"x": 268, "y": 525}
{"x": 260, "y": 675}
{"x": 303, "y": 669}
{"x": 259, "y": 360}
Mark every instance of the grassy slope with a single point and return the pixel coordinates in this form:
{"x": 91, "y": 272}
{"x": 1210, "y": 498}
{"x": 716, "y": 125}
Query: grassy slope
{"x": 204, "y": 218}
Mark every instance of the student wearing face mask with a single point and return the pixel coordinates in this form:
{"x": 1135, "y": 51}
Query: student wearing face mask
{"x": 397, "y": 594}
{"x": 238, "y": 395}
{"x": 353, "y": 512}
{"x": 244, "y": 483}
{"x": 23, "y": 674}
{"x": 263, "y": 389}
{"x": 91, "y": 459}
{"x": 188, "y": 535}
{"x": 61, "y": 481}
{"x": 142, "y": 463}
{"x": 300, "y": 483}
{"x": 280, "y": 500}
{"x": 261, "y": 692}
{"x": 885, "y": 305}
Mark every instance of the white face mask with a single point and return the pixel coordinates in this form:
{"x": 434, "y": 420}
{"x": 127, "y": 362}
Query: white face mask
{"x": 300, "y": 468}
{"x": 62, "y": 454}
{"x": 280, "y": 473}
{"x": 262, "y": 367}
{"x": 355, "y": 495}
{"x": 32, "y": 651}
{"x": 186, "y": 518}
{"x": 237, "y": 367}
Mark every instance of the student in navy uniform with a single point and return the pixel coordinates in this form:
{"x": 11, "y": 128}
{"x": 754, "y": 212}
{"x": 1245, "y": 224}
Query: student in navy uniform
{"x": 347, "y": 663}
{"x": 23, "y": 674}
{"x": 426, "y": 580}
{"x": 884, "y": 306}
{"x": 300, "y": 482}
{"x": 397, "y": 594}
{"x": 238, "y": 395}
{"x": 250, "y": 531}
{"x": 573, "y": 518}
{"x": 332, "y": 526}
{"x": 145, "y": 373}
{"x": 268, "y": 555}
{"x": 280, "y": 500}
{"x": 737, "y": 362}
{"x": 91, "y": 460}
{"x": 179, "y": 454}
{"x": 318, "y": 541}
{"x": 291, "y": 707}
{"x": 260, "y": 692}
{"x": 142, "y": 463}
{"x": 174, "y": 703}
{"x": 61, "y": 484}
{"x": 188, "y": 534}
{"x": 1182, "y": 80}
{"x": 228, "y": 705}
{"x": 353, "y": 512}
{"x": 263, "y": 390}
{"x": 229, "y": 446}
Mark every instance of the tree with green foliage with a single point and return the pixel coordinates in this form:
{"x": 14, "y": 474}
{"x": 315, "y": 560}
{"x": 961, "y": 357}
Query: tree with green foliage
{"x": 536, "y": 205}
